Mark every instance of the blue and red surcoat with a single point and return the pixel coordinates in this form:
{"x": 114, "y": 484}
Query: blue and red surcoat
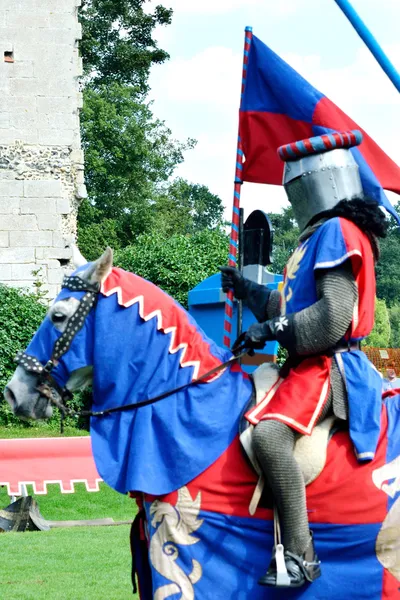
{"x": 299, "y": 399}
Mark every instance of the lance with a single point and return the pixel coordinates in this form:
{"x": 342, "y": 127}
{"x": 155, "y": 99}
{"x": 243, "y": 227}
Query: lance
{"x": 370, "y": 42}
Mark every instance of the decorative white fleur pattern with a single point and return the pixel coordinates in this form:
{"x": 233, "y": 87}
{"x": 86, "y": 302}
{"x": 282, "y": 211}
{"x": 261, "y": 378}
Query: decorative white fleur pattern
{"x": 175, "y": 526}
{"x": 290, "y": 274}
{"x": 281, "y": 323}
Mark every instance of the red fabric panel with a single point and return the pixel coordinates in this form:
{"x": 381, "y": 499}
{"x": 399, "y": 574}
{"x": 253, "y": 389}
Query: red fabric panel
{"x": 171, "y": 318}
{"x": 226, "y": 486}
{"x": 261, "y": 134}
{"x": 327, "y": 114}
{"x": 344, "y": 493}
{"x": 364, "y": 273}
{"x": 391, "y": 586}
{"x": 47, "y": 460}
{"x": 300, "y": 398}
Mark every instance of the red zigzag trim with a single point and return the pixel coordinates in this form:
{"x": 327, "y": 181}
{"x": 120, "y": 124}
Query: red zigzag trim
{"x": 170, "y": 318}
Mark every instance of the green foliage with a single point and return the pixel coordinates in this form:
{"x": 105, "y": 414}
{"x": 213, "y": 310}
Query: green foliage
{"x": 285, "y": 238}
{"x": 380, "y": 335}
{"x": 178, "y": 263}
{"x": 129, "y": 155}
{"x": 394, "y": 317}
{"x": 184, "y": 207}
{"x": 20, "y": 316}
{"x": 388, "y": 267}
{"x": 117, "y": 41}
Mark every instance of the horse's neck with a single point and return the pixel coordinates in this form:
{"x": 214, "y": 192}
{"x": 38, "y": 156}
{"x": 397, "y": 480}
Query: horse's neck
{"x": 145, "y": 343}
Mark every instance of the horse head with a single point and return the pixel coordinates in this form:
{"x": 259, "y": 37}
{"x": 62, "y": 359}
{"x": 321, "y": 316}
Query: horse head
{"x": 133, "y": 342}
{"x": 59, "y": 357}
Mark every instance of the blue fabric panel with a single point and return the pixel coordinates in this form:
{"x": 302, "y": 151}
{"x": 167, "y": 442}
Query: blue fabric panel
{"x": 234, "y": 552}
{"x": 273, "y": 86}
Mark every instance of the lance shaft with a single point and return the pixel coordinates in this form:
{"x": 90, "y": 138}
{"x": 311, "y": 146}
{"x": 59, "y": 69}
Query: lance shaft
{"x": 370, "y": 42}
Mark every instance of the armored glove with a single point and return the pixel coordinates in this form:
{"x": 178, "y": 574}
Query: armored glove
{"x": 231, "y": 278}
{"x": 280, "y": 329}
{"x": 258, "y": 334}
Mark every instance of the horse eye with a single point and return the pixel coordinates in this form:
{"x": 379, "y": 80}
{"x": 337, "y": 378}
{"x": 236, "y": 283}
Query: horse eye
{"x": 58, "y": 317}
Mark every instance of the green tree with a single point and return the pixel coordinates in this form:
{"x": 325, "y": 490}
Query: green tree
{"x": 128, "y": 155}
{"x": 380, "y": 335}
{"x": 285, "y": 238}
{"x": 117, "y": 41}
{"x": 388, "y": 266}
{"x": 394, "y": 317}
{"x": 184, "y": 207}
{"x": 176, "y": 263}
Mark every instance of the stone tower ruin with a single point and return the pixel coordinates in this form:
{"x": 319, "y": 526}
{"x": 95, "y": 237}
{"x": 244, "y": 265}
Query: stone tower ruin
{"x": 41, "y": 161}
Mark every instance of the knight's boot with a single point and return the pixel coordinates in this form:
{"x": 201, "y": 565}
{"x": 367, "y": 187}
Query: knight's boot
{"x": 290, "y": 570}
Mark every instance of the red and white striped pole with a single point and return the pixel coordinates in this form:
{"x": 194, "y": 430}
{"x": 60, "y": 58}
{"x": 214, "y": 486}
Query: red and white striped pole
{"x": 234, "y": 238}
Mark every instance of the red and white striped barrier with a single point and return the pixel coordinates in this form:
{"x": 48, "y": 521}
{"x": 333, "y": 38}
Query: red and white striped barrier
{"x": 40, "y": 461}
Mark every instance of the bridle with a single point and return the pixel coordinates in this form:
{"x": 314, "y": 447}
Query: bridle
{"x": 59, "y": 396}
{"x": 47, "y": 385}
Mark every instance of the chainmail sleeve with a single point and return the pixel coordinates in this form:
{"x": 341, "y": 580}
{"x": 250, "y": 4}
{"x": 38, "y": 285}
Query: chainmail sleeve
{"x": 322, "y": 325}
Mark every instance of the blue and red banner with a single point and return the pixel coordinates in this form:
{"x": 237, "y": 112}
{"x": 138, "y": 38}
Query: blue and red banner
{"x": 279, "y": 107}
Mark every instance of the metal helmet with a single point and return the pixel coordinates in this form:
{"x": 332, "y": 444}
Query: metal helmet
{"x": 320, "y": 172}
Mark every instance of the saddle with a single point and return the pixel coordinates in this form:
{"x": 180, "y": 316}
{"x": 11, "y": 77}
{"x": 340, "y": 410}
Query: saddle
{"x": 310, "y": 451}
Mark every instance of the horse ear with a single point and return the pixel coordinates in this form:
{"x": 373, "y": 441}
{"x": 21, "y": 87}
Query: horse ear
{"x": 77, "y": 257}
{"x": 99, "y": 270}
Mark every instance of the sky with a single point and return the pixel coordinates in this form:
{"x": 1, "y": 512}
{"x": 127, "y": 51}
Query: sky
{"x": 197, "y": 92}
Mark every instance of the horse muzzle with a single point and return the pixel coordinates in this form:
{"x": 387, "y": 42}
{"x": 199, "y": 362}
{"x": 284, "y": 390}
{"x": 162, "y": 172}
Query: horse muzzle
{"x": 36, "y": 407}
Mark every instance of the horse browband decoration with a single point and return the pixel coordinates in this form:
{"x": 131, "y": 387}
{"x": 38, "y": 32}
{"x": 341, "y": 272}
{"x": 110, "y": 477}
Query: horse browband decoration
{"x": 56, "y": 394}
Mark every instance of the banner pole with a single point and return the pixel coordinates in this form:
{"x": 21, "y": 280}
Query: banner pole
{"x": 234, "y": 237}
{"x": 370, "y": 42}
{"x": 240, "y": 261}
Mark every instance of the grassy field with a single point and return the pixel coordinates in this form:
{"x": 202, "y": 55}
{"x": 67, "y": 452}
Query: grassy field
{"x": 77, "y": 563}
{"x": 36, "y": 431}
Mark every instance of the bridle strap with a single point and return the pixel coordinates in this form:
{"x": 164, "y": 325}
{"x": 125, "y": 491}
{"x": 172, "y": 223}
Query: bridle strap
{"x": 74, "y": 325}
{"x": 48, "y": 386}
{"x": 135, "y": 405}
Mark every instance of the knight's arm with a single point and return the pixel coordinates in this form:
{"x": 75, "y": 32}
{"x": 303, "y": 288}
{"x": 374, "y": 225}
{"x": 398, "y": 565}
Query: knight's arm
{"x": 321, "y": 326}
{"x": 263, "y": 303}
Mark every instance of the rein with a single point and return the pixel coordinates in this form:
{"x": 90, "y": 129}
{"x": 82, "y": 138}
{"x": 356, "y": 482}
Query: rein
{"x": 58, "y": 395}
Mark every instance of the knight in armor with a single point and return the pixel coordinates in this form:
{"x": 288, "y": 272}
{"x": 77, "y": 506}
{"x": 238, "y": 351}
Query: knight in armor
{"x": 324, "y": 310}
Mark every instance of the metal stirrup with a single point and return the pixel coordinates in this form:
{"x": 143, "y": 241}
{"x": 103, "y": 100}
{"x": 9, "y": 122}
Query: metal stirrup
{"x": 282, "y": 577}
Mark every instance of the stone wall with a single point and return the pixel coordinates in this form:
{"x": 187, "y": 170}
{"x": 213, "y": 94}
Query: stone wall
{"x": 41, "y": 162}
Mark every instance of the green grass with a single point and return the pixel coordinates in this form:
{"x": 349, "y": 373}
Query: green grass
{"x": 37, "y": 431}
{"x": 56, "y": 506}
{"x": 83, "y": 563}
{"x": 88, "y": 563}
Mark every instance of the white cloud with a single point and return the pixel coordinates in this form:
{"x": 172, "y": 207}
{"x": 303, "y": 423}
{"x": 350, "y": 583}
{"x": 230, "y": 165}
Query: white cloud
{"x": 213, "y": 7}
{"x": 211, "y": 77}
{"x": 199, "y": 97}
